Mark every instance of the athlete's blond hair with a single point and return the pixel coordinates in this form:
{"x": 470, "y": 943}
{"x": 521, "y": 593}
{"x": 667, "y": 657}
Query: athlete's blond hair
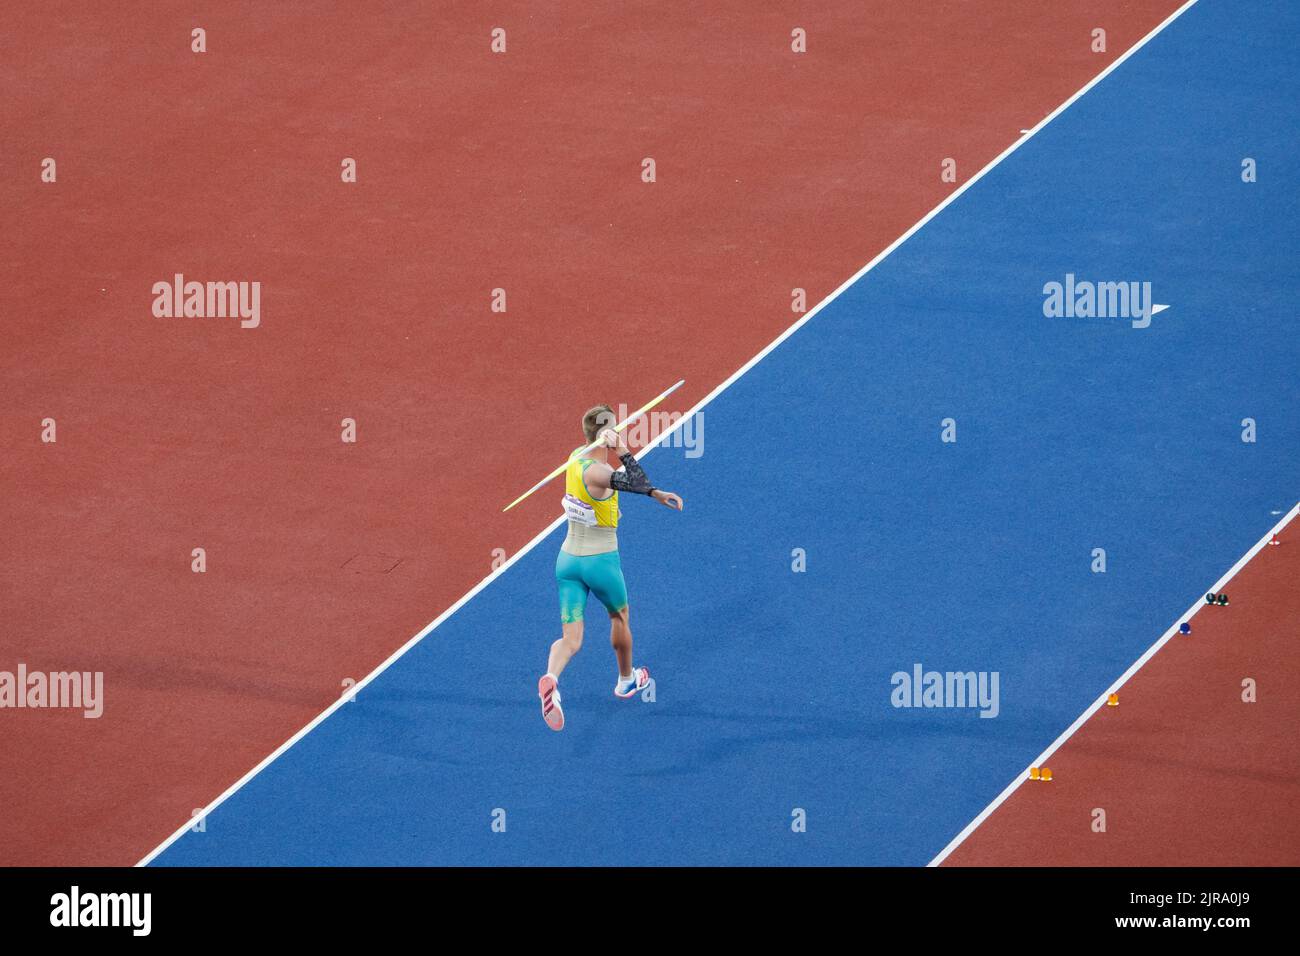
{"x": 597, "y": 418}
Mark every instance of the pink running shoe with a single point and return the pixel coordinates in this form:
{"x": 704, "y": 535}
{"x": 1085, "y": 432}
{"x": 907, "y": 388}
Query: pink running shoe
{"x": 551, "y": 709}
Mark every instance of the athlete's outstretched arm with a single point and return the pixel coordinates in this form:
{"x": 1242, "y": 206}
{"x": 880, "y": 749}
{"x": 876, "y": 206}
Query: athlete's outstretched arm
{"x": 632, "y": 478}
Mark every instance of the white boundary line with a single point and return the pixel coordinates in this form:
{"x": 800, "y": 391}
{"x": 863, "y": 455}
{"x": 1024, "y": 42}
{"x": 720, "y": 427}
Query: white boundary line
{"x": 1113, "y": 688}
{"x": 803, "y": 320}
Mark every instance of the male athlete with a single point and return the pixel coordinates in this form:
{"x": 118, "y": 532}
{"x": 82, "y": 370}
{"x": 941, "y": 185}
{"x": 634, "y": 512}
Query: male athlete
{"x": 588, "y": 559}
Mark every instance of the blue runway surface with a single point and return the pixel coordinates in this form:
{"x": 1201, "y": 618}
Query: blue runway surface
{"x": 773, "y": 686}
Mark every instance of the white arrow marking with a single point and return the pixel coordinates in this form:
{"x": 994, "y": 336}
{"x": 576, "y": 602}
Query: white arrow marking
{"x": 1157, "y": 309}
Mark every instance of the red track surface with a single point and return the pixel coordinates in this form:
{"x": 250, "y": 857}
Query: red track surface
{"x": 475, "y": 171}
{"x": 1186, "y": 772}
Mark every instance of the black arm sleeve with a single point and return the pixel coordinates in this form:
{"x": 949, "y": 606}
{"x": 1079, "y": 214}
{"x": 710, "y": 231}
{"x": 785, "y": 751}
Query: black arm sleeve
{"x": 632, "y": 480}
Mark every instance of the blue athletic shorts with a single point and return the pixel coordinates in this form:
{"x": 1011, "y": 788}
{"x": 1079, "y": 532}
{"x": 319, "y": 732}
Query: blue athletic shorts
{"x": 599, "y": 574}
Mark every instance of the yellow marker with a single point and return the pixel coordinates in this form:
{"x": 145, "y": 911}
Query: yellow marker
{"x": 1033, "y": 773}
{"x": 1046, "y": 774}
{"x": 582, "y": 451}
{"x": 1112, "y": 700}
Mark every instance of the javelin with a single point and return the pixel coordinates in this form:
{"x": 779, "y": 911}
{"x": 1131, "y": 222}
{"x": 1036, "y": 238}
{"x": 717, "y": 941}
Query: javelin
{"x": 618, "y": 428}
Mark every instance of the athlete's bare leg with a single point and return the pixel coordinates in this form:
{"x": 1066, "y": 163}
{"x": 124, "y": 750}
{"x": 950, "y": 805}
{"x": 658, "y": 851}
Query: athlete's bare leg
{"x": 620, "y": 637}
{"x": 569, "y": 644}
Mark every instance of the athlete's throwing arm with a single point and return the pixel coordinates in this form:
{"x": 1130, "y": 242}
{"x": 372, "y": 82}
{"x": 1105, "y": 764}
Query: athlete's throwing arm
{"x": 630, "y": 478}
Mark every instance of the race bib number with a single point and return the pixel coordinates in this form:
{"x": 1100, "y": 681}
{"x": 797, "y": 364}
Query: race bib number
{"x": 578, "y": 510}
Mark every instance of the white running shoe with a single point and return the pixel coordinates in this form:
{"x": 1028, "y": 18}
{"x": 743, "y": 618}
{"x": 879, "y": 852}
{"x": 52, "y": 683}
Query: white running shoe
{"x": 552, "y": 712}
{"x": 634, "y": 684}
